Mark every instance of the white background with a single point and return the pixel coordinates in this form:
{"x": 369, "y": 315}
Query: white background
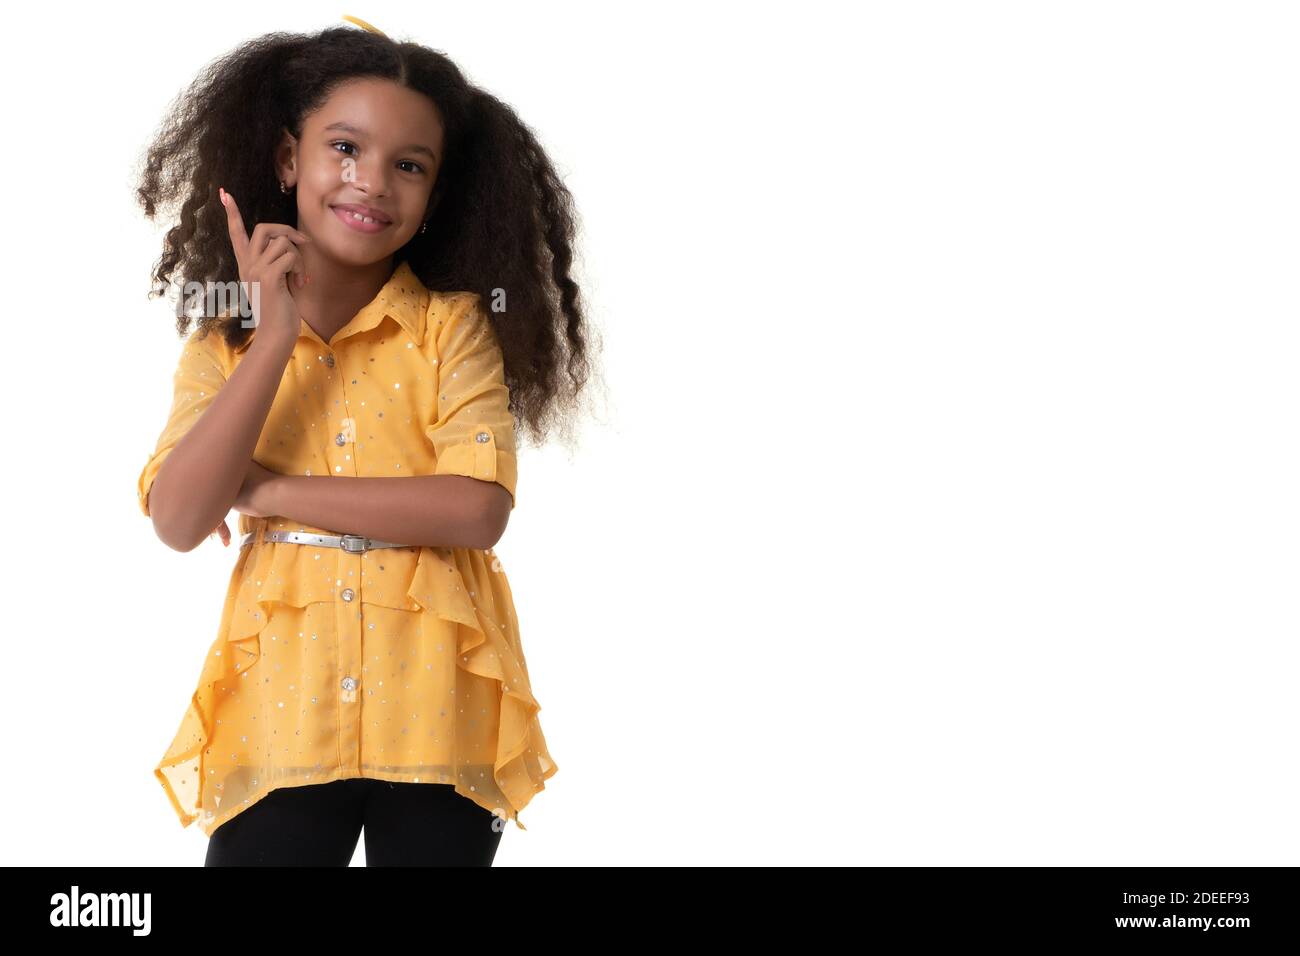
{"x": 943, "y": 507}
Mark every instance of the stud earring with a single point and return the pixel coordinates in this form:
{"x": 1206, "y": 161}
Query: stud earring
{"x": 283, "y": 187}
{"x": 425, "y": 226}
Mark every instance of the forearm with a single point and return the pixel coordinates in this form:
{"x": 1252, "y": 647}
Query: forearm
{"x": 436, "y": 511}
{"x": 200, "y": 478}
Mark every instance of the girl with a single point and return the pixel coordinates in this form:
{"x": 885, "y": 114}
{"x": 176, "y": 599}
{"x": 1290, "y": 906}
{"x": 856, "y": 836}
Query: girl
{"x": 404, "y": 308}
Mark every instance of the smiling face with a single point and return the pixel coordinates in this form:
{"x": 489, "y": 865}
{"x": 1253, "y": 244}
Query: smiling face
{"x": 373, "y": 148}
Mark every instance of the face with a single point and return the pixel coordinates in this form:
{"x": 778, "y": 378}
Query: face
{"x": 374, "y": 147}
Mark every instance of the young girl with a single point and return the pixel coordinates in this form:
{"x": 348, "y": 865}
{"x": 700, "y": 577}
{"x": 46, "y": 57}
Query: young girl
{"x": 403, "y": 246}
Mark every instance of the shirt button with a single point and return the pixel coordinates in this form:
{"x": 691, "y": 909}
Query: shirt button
{"x": 483, "y": 436}
{"x": 348, "y": 594}
{"x": 349, "y": 683}
{"x": 340, "y": 439}
{"x": 329, "y": 360}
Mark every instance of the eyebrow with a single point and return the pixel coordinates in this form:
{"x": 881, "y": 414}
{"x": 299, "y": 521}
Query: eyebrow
{"x": 356, "y": 131}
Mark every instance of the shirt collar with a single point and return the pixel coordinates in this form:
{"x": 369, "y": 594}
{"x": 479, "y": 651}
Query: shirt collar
{"x": 404, "y": 298}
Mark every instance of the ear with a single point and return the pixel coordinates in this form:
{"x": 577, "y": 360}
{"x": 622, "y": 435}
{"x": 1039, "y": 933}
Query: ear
{"x": 286, "y": 152}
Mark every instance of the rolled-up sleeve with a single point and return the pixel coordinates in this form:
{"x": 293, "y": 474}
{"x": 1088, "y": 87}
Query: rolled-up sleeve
{"x": 473, "y": 429}
{"x": 198, "y": 377}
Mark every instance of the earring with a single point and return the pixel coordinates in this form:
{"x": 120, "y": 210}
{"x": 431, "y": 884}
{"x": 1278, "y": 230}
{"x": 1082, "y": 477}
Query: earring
{"x": 283, "y": 187}
{"x": 425, "y": 226}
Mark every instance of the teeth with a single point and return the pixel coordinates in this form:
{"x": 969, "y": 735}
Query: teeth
{"x": 357, "y": 215}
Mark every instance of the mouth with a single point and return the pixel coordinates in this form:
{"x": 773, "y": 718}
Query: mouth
{"x": 360, "y": 219}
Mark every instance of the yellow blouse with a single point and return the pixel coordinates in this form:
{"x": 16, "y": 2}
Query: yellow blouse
{"x": 399, "y": 664}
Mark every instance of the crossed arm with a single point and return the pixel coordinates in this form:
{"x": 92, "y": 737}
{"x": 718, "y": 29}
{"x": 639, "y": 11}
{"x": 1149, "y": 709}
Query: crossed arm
{"x": 203, "y": 464}
{"x": 447, "y": 511}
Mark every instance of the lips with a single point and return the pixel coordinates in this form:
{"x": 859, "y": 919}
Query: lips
{"x": 347, "y": 214}
{"x": 369, "y": 211}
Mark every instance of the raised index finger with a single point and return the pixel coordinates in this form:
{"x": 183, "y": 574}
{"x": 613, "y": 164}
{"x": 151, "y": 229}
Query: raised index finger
{"x": 235, "y": 224}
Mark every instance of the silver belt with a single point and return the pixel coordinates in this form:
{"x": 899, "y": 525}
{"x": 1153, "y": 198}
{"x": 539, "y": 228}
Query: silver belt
{"x": 352, "y": 543}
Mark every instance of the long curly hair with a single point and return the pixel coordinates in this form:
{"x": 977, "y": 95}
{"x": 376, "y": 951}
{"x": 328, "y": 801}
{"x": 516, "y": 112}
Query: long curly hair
{"x": 504, "y": 218}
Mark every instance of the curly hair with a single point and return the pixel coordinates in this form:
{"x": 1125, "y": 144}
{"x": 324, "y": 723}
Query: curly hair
{"x": 504, "y": 218}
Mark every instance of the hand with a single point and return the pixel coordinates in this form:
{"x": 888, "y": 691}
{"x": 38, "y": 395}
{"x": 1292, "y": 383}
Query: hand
{"x": 255, "y": 493}
{"x": 252, "y": 498}
{"x": 223, "y": 530}
{"x": 266, "y": 260}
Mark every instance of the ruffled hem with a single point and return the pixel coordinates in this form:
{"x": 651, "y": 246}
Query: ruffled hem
{"x": 181, "y": 770}
{"x": 210, "y": 822}
{"x": 522, "y": 764}
{"x": 268, "y": 573}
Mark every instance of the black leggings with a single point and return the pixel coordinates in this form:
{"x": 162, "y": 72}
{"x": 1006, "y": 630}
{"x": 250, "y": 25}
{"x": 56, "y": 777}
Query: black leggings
{"x": 406, "y": 824}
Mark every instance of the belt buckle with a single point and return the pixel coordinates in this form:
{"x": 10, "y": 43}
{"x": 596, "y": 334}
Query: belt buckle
{"x": 346, "y": 543}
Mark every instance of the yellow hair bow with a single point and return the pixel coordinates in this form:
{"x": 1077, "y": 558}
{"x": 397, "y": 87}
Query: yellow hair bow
{"x": 365, "y": 26}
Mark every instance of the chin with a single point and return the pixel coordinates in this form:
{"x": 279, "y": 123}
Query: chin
{"x": 354, "y": 257}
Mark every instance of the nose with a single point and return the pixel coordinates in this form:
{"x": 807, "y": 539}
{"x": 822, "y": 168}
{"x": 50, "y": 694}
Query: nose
{"x": 371, "y": 181}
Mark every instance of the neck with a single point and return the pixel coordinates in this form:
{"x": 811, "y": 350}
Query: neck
{"x": 337, "y": 291}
